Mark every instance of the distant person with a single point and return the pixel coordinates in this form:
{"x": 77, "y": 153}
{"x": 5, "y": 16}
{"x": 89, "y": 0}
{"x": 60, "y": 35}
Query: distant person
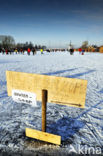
{"x": 83, "y": 52}
{"x": 6, "y": 51}
{"x": 41, "y": 50}
{"x": 80, "y": 50}
{"x": 16, "y": 51}
{"x": 21, "y": 51}
{"x": 71, "y": 51}
{"x": 34, "y": 51}
{"x": 48, "y": 50}
{"x": 28, "y": 51}
{"x": 3, "y": 51}
{"x": 10, "y": 51}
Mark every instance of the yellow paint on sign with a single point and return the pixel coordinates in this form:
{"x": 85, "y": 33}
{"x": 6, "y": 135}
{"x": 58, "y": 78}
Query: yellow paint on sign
{"x": 64, "y": 91}
{"x": 43, "y": 136}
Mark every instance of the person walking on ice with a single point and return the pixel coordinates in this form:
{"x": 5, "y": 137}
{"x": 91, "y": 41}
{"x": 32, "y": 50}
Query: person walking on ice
{"x": 71, "y": 51}
{"x": 83, "y": 51}
{"x": 41, "y": 50}
{"x": 80, "y": 50}
{"x": 28, "y": 51}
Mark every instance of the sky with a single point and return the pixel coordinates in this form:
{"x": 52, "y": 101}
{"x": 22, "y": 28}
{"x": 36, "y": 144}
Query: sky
{"x": 53, "y": 22}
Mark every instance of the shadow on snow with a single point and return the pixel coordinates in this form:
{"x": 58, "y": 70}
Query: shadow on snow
{"x": 101, "y": 91}
{"x": 5, "y": 62}
{"x": 80, "y": 74}
{"x": 59, "y": 72}
{"x": 4, "y": 95}
{"x": 70, "y": 76}
{"x": 66, "y": 127}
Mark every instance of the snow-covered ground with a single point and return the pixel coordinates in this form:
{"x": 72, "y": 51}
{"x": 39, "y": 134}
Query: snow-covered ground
{"x": 79, "y": 128}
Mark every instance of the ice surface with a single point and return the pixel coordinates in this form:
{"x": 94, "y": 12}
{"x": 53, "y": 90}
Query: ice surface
{"x": 76, "y": 126}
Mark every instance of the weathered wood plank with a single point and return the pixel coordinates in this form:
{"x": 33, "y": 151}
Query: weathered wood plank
{"x": 65, "y": 91}
{"x": 43, "y": 136}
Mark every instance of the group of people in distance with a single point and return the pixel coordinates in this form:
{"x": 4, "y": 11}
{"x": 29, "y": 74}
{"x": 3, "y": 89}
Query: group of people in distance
{"x": 34, "y": 50}
{"x": 81, "y": 51}
{"x": 29, "y": 51}
{"x": 17, "y": 51}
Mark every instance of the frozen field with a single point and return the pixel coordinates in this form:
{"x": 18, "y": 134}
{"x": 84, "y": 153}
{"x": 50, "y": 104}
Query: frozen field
{"x": 77, "y": 127}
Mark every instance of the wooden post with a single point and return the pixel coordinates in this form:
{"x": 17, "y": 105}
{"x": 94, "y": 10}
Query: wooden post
{"x": 44, "y": 102}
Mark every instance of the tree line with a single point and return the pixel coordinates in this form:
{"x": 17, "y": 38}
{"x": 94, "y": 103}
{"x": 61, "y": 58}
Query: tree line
{"x": 8, "y": 43}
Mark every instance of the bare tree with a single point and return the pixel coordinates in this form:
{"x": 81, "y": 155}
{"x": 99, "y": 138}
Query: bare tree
{"x": 8, "y": 42}
{"x": 85, "y": 44}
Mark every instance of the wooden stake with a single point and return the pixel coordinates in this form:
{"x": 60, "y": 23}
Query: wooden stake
{"x": 42, "y": 135}
{"x": 44, "y": 102}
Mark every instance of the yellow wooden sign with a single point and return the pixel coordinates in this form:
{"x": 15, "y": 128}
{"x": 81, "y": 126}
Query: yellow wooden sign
{"x": 64, "y": 91}
{"x": 51, "y": 138}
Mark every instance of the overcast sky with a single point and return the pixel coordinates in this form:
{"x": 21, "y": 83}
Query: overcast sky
{"x": 53, "y": 22}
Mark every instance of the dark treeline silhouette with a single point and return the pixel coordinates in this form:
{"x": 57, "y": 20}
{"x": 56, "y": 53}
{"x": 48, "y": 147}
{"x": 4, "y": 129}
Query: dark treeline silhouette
{"x": 30, "y": 45}
{"x": 8, "y": 46}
